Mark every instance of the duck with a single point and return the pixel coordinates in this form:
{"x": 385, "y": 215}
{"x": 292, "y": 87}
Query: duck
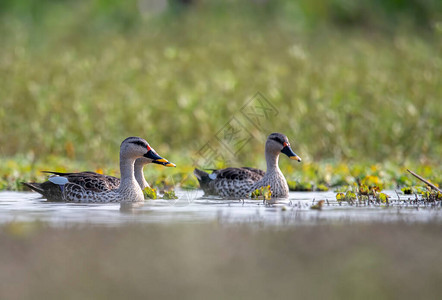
{"x": 94, "y": 187}
{"x": 241, "y": 182}
{"x": 90, "y": 180}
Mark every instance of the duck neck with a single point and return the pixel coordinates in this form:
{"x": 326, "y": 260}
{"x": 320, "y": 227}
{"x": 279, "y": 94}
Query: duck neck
{"x": 272, "y": 162}
{"x": 139, "y": 175}
{"x": 127, "y": 173}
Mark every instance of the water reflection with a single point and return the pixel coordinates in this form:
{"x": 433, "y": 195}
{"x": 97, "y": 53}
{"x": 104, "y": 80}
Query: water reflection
{"x": 193, "y": 207}
{"x": 130, "y": 207}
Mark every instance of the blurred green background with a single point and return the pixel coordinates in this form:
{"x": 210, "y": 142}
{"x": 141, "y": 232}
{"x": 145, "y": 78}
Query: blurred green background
{"x": 353, "y": 81}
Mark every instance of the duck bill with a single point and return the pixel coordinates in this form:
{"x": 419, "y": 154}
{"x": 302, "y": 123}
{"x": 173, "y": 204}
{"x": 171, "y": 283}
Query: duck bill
{"x": 166, "y": 163}
{"x": 169, "y": 164}
{"x": 289, "y": 152}
{"x": 156, "y": 159}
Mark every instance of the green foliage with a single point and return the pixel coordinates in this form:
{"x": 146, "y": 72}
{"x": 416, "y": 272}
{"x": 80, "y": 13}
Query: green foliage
{"x": 164, "y": 182}
{"x": 187, "y": 180}
{"x": 340, "y": 197}
{"x": 350, "y": 196}
{"x": 25, "y": 168}
{"x": 342, "y": 189}
{"x": 382, "y": 197}
{"x": 189, "y": 184}
{"x": 364, "y": 190}
{"x": 71, "y": 90}
{"x": 169, "y": 195}
{"x": 407, "y": 190}
{"x": 322, "y": 188}
{"x": 263, "y": 193}
{"x": 404, "y": 180}
{"x": 420, "y": 190}
{"x": 429, "y": 194}
{"x": 371, "y": 181}
{"x": 76, "y": 89}
{"x": 150, "y": 193}
{"x": 130, "y": 14}
{"x": 292, "y": 185}
{"x": 300, "y": 186}
{"x": 345, "y": 176}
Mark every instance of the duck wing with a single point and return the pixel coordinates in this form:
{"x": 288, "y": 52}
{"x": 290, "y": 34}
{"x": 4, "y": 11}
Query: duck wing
{"x": 244, "y": 173}
{"x": 90, "y": 180}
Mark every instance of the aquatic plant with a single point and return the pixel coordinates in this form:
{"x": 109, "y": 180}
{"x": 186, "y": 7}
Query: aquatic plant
{"x": 407, "y": 190}
{"x": 263, "y": 193}
{"x": 382, "y": 197}
{"x": 340, "y": 197}
{"x": 350, "y": 196}
{"x": 150, "y": 193}
{"x": 169, "y": 195}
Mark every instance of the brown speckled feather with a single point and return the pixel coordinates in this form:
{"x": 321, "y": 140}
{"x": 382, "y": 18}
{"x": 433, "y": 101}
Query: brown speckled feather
{"x": 243, "y": 173}
{"x": 91, "y": 180}
{"x": 229, "y": 182}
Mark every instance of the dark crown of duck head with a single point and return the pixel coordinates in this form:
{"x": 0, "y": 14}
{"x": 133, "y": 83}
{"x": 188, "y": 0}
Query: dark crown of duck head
{"x": 278, "y": 137}
{"x": 137, "y": 141}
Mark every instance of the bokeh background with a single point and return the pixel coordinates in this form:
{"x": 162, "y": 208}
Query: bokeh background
{"x": 357, "y": 86}
{"x": 353, "y": 81}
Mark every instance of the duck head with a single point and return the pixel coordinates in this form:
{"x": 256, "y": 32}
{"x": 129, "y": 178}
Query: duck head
{"x": 278, "y": 142}
{"x": 138, "y": 148}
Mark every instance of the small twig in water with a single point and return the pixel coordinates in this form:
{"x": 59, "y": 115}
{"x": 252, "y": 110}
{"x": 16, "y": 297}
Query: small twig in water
{"x": 424, "y": 180}
{"x": 398, "y": 198}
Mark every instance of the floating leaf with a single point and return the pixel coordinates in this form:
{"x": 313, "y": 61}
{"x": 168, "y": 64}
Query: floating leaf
{"x": 263, "y": 192}
{"x": 169, "y": 195}
{"x": 150, "y": 193}
{"x": 267, "y": 193}
{"x": 255, "y": 194}
{"x": 340, "y": 196}
{"x": 363, "y": 189}
{"x": 382, "y": 197}
{"x": 350, "y": 196}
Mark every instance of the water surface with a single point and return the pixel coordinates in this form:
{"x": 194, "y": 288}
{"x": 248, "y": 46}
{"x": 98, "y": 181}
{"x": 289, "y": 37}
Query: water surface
{"x": 191, "y": 206}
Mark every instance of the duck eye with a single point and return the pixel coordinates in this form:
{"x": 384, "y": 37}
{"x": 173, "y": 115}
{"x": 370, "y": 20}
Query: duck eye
{"x": 148, "y": 148}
